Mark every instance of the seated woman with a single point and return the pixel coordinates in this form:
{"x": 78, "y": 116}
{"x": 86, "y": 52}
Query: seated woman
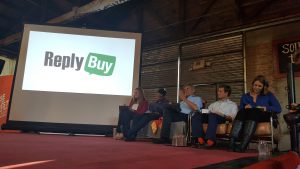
{"x": 255, "y": 106}
{"x": 134, "y": 111}
{"x": 155, "y": 111}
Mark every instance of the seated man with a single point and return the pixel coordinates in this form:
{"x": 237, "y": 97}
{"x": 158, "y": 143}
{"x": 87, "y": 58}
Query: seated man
{"x": 155, "y": 111}
{"x": 189, "y": 102}
{"x": 219, "y": 112}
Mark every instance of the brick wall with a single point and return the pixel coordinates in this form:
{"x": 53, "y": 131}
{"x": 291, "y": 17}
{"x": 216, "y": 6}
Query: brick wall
{"x": 260, "y": 59}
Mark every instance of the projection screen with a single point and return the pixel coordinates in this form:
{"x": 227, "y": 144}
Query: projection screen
{"x": 70, "y": 78}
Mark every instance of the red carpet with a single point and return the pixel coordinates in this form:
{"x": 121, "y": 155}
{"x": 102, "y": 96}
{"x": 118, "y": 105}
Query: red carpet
{"x": 66, "y": 152}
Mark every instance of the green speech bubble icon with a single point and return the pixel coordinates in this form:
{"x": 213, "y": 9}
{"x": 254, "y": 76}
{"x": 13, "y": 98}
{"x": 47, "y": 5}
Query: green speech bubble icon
{"x": 99, "y": 64}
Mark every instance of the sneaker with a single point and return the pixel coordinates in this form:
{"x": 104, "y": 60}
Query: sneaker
{"x": 119, "y": 136}
{"x": 210, "y": 143}
{"x": 161, "y": 141}
{"x": 201, "y": 141}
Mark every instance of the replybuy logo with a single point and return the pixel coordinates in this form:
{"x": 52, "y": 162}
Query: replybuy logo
{"x": 99, "y": 64}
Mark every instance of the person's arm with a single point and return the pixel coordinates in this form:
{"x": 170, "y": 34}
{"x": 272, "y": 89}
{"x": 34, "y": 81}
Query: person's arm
{"x": 227, "y": 112}
{"x": 274, "y": 105}
{"x": 194, "y": 106}
{"x": 233, "y": 112}
{"x": 130, "y": 103}
{"x": 189, "y": 103}
{"x": 242, "y": 102}
{"x": 143, "y": 107}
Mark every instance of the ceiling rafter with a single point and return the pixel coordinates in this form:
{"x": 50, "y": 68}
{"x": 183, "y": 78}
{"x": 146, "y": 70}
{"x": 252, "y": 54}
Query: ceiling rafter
{"x": 8, "y": 12}
{"x": 258, "y": 7}
{"x": 212, "y": 2}
{"x": 63, "y": 5}
{"x": 239, "y": 9}
{"x": 33, "y": 3}
{"x": 157, "y": 14}
{"x": 182, "y": 15}
{"x": 141, "y": 17}
{"x": 92, "y": 7}
{"x": 266, "y": 5}
{"x": 4, "y": 23}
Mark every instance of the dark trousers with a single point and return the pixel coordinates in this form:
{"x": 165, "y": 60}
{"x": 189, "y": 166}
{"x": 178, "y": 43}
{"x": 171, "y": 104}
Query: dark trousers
{"x": 125, "y": 116}
{"x": 142, "y": 122}
{"x": 157, "y": 107}
{"x": 170, "y": 115}
{"x": 212, "y": 119}
{"x": 253, "y": 114}
{"x": 157, "y": 111}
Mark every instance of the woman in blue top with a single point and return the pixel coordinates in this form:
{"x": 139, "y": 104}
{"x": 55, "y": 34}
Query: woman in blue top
{"x": 255, "y": 106}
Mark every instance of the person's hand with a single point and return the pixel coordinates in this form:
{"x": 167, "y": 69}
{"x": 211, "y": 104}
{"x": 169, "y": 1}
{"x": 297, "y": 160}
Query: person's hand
{"x": 248, "y": 106}
{"x": 182, "y": 95}
{"x": 262, "y": 108}
{"x": 293, "y": 105}
{"x": 218, "y": 113}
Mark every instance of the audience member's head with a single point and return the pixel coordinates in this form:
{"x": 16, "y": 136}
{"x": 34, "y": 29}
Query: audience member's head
{"x": 189, "y": 89}
{"x": 260, "y": 85}
{"x": 162, "y": 92}
{"x": 138, "y": 95}
{"x": 224, "y": 91}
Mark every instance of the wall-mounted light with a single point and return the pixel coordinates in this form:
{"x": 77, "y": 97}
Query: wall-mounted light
{"x": 199, "y": 64}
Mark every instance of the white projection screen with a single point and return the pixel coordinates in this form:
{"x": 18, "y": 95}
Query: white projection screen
{"x": 70, "y": 77}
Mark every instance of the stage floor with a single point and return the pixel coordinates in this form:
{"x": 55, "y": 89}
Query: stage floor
{"x": 32, "y": 151}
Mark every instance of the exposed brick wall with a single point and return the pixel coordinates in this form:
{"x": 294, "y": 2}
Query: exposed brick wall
{"x": 260, "y": 59}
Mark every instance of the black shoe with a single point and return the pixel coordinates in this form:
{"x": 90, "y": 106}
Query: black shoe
{"x": 129, "y": 139}
{"x": 161, "y": 141}
{"x": 238, "y": 149}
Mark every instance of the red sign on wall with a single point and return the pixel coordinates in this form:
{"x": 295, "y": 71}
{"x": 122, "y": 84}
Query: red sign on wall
{"x": 5, "y": 89}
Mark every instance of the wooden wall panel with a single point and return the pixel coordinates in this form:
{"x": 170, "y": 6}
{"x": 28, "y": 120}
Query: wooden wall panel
{"x": 225, "y": 56}
{"x": 160, "y": 70}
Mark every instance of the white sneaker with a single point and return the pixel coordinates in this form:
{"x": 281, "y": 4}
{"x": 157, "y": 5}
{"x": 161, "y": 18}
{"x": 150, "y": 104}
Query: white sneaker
{"x": 119, "y": 136}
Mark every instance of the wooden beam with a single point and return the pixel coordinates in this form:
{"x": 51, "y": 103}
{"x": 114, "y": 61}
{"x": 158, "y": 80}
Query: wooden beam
{"x": 262, "y": 8}
{"x": 212, "y": 2}
{"x": 5, "y": 22}
{"x": 92, "y": 7}
{"x": 8, "y": 11}
{"x": 182, "y": 15}
{"x": 157, "y": 14}
{"x": 63, "y": 5}
{"x": 239, "y": 9}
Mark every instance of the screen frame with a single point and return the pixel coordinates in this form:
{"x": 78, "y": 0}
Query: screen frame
{"x": 67, "y": 127}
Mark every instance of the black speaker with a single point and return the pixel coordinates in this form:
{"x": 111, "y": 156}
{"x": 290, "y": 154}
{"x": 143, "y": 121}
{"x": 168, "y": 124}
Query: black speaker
{"x": 1, "y": 65}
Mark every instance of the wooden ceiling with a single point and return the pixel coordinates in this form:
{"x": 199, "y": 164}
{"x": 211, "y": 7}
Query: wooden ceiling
{"x": 159, "y": 21}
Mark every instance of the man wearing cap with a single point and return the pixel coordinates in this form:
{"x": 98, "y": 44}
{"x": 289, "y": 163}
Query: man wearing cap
{"x": 155, "y": 112}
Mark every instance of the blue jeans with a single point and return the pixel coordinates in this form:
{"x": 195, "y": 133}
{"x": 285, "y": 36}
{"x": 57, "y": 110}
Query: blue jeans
{"x": 140, "y": 123}
{"x": 212, "y": 119}
{"x": 125, "y": 117}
